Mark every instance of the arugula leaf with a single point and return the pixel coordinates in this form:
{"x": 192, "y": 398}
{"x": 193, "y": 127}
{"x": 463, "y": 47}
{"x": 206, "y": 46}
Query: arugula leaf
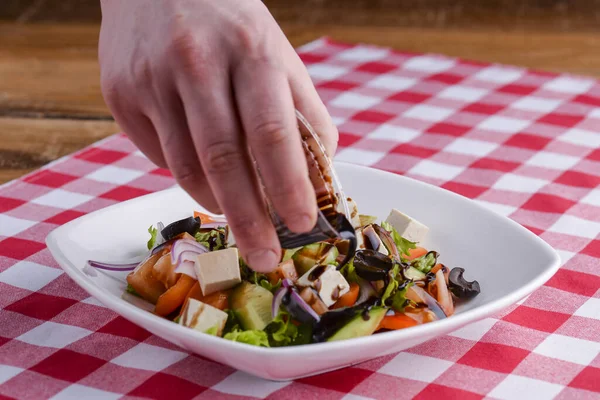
{"x": 232, "y": 323}
{"x": 392, "y": 285}
{"x": 399, "y": 301}
{"x": 213, "y": 239}
{"x": 403, "y": 245}
{"x": 281, "y": 331}
{"x": 425, "y": 263}
{"x": 262, "y": 280}
{"x": 153, "y": 233}
{"x": 255, "y": 337}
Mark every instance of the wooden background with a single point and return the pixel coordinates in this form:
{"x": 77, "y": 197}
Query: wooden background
{"x": 50, "y": 101}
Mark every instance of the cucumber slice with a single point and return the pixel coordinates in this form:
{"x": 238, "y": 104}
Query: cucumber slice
{"x": 252, "y": 305}
{"x": 309, "y": 255}
{"x": 363, "y": 324}
{"x": 413, "y": 274}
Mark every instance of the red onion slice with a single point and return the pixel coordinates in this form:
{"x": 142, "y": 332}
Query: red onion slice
{"x": 304, "y": 305}
{"x": 183, "y": 245}
{"x": 277, "y": 299}
{"x": 366, "y": 291}
{"x": 187, "y": 268}
{"x": 113, "y": 266}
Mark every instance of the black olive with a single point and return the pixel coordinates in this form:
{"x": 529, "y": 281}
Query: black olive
{"x": 190, "y": 225}
{"x": 460, "y": 287}
{"x": 372, "y": 265}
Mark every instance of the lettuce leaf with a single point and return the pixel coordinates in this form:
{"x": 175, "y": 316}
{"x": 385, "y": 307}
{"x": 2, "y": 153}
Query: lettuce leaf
{"x": 403, "y": 245}
{"x": 399, "y": 301}
{"x": 255, "y": 337}
{"x": 213, "y": 239}
{"x": 153, "y": 233}
{"x": 392, "y": 285}
{"x": 281, "y": 331}
{"x": 349, "y": 272}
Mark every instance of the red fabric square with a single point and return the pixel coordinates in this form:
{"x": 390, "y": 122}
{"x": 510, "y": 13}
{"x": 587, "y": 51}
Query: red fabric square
{"x": 575, "y": 282}
{"x": 101, "y": 156}
{"x": 410, "y": 97}
{"x": 494, "y": 357}
{"x": 482, "y": 108}
{"x": 50, "y": 178}
{"x": 164, "y": 386}
{"x": 309, "y": 58}
{"x": 123, "y": 193}
{"x": 594, "y": 155}
{"x": 578, "y": 179}
{"x": 566, "y": 120}
{"x": 589, "y": 100}
{"x": 537, "y": 231}
{"x": 41, "y": 306}
{"x": 122, "y": 327}
{"x": 527, "y": 141}
{"x": 542, "y": 320}
{"x": 68, "y": 365}
{"x": 464, "y": 189}
{"x": 373, "y": 116}
{"x": 162, "y": 172}
{"x": 343, "y": 380}
{"x": 416, "y": 151}
{"x": 377, "y": 67}
{"x": 449, "y": 129}
{"x": 436, "y": 392}
{"x": 64, "y": 217}
{"x": 337, "y": 85}
{"x": 494, "y": 164}
{"x": 592, "y": 249}
{"x": 19, "y": 249}
{"x": 548, "y": 203}
{"x": 347, "y": 139}
{"x": 513, "y": 88}
{"x": 450, "y": 79}
{"x": 588, "y": 379}
{"x": 6, "y": 203}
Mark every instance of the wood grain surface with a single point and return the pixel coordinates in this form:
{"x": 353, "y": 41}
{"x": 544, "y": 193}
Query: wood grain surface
{"x": 50, "y": 100}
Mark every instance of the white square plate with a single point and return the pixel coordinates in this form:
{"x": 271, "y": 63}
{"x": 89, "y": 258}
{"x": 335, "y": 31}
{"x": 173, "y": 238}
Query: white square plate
{"x": 509, "y": 262}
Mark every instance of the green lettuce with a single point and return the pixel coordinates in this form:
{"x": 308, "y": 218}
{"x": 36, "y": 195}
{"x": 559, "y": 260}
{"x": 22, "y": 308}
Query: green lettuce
{"x": 281, "y": 331}
{"x": 153, "y": 233}
{"x": 403, "y": 245}
{"x": 212, "y": 330}
{"x": 254, "y": 337}
{"x": 349, "y": 272}
{"x": 213, "y": 239}
{"x": 425, "y": 263}
{"x": 399, "y": 301}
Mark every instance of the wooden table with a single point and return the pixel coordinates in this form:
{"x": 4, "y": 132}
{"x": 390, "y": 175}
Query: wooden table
{"x": 50, "y": 100}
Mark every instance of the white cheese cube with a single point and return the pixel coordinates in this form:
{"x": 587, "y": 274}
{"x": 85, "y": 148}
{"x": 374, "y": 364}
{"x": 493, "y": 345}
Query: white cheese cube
{"x": 407, "y": 227}
{"x": 369, "y": 231}
{"x": 218, "y": 270}
{"x": 355, "y": 218}
{"x": 327, "y": 281}
{"x": 203, "y": 317}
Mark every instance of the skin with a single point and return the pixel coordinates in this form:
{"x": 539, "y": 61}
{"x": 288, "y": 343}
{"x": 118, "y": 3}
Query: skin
{"x": 199, "y": 84}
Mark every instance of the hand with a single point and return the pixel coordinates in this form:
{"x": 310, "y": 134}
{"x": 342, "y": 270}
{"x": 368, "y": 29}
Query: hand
{"x": 196, "y": 84}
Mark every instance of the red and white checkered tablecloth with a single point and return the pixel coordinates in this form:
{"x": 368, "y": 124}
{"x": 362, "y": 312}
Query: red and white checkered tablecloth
{"x": 524, "y": 143}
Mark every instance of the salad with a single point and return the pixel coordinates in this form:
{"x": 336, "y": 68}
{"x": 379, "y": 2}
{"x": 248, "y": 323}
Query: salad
{"x": 195, "y": 277}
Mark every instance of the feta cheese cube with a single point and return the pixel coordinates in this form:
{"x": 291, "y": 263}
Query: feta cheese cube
{"x": 218, "y": 270}
{"x": 327, "y": 281}
{"x": 363, "y": 239}
{"x": 407, "y": 227}
{"x": 203, "y": 317}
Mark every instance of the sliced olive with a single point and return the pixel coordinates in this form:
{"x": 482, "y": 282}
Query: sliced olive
{"x": 372, "y": 265}
{"x": 190, "y": 225}
{"x": 460, "y": 287}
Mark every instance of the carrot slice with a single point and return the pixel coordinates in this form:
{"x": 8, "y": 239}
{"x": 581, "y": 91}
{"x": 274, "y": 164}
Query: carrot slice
{"x": 204, "y": 218}
{"x": 436, "y": 268}
{"x": 416, "y": 253}
{"x": 397, "y": 321}
{"x": 349, "y": 298}
{"x": 173, "y": 298}
{"x": 218, "y": 299}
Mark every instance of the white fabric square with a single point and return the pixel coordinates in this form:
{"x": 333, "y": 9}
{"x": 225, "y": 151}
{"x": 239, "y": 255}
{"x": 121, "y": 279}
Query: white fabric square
{"x": 8, "y": 372}
{"x": 437, "y": 170}
{"x": 422, "y": 368}
{"x": 92, "y": 301}
{"x": 518, "y": 183}
{"x": 77, "y": 392}
{"x": 471, "y": 147}
{"x": 51, "y": 334}
{"x": 429, "y": 63}
{"x": 325, "y": 71}
{"x": 363, "y": 54}
{"x": 592, "y": 198}
{"x": 595, "y": 113}
{"x": 354, "y": 101}
{"x": 10, "y": 226}
{"x": 565, "y": 256}
{"x": 462, "y": 93}
{"x": 504, "y": 124}
{"x": 566, "y": 348}
{"x": 566, "y": 84}
{"x": 243, "y": 384}
{"x": 138, "y": 153}
{"x": 358, "y": 156}
{"x": 516, "y": 387}
{"x": 351, "y": 396}
{"x": 571, "y": 225}
{"x": 532, "y": 103}
{"x": 551, "y": 160}
{"x": 29, "y": 275}
{"x": 338, "y": 120}
{"x": 502, "y": 209}
{"x": 148, "y": 357}
{"x": 428, "y": 113}
{"x": 396, "y": 133}
{"x": 589, "y": 309}
{"x": 498, "y": 74}
{"x": 118, "y": 175}
{"x": 391, "y": 82}
{"x": 476, "y": 330}
{"x": 62, "y": 199}
{"x": 581, "y": 137}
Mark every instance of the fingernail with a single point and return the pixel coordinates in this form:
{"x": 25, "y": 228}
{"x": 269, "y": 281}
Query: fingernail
{"x": 262, "y": 260}
{"x": 300, "y": 223}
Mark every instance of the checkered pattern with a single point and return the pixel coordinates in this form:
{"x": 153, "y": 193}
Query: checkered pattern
{"x": 524, "y": 143}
